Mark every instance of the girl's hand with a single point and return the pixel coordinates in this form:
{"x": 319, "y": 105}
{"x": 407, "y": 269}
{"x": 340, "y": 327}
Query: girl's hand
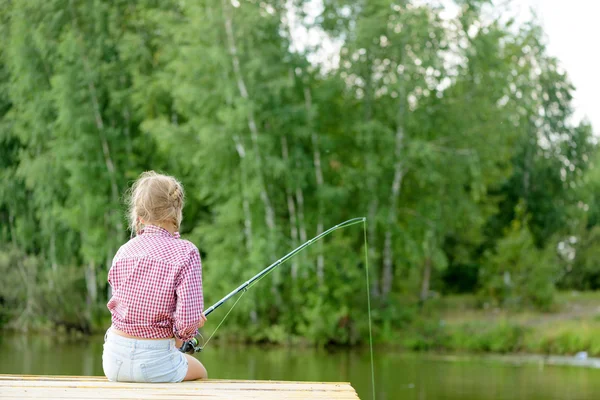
{"x": 202, "y": 321}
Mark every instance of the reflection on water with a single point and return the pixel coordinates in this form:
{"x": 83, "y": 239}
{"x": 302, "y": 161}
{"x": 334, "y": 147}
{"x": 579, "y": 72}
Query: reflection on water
{"x": 398, "y": 375}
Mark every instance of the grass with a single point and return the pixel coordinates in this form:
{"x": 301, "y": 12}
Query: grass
{"x": 457, "y": 324}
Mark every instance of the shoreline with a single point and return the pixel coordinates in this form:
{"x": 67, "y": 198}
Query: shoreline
{"x": 580, "y": 360}
{"x": 517, "y": 359}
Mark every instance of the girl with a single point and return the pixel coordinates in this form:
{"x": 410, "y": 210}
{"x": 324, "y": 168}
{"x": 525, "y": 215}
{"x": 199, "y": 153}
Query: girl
{"x": 157, "y": 298}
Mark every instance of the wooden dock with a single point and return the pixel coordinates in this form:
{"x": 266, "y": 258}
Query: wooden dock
{"x": 95, "y": 387}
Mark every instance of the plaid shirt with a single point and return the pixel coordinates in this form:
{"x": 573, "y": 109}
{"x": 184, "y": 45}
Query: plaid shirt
{"x": 156, "y": 280}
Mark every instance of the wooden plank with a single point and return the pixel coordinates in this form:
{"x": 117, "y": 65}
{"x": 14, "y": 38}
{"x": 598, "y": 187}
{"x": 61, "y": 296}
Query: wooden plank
{"x": 151, "y": 394}
{"x": 183, "y": 389}
{"x": 64, "y": 387}
{"x": 51, "y": 377}
{"x": 223, "y": 383}
{"x": 103, "y": 379}
{"x": 203, "y": 385}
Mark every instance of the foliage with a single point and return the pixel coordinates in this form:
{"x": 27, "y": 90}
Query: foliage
{"x": 435, "y": 128}
{"x": 517, "y": 273}
{"x": 580, "y": 245}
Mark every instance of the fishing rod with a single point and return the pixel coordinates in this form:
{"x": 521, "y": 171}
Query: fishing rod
{"x": 193, "y": 345}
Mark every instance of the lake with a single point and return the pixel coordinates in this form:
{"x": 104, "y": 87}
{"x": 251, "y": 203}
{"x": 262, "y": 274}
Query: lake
{"x": 399, "y": 375}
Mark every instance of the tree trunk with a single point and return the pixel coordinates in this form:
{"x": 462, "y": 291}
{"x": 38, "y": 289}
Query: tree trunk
{"x": 22, "y": 321}
{"x": 241, "y": 151}
{"x": 318, "y": 173}
{"x": 370, "y": 180}
{"x": 248, "y": 232}
{"x": 91, "y": 282}
{"x": 319, "y": 180}
{"x": 527, "y": 168}
{"x": 53, "y": 253}
{"x": 426, "y": 279}
{"x": 110, "y": 166}
{"x": 29, "y": 276}
{"x": 53, "y": 260}
{"x": 301, "y": 224}
{"x": 372, "y": 242}
{"x": 291, "y": 209}
{"x": 388, "y": 253}
{"x": 244, "y": 184}
{"x": 127, "y": 130}
{"x": 92, "y": 288}
{"x": 264, "y": 196}
{"x": 269, "y": 212}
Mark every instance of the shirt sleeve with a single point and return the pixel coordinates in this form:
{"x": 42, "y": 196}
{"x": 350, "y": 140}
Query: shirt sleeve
{"x": 190, "y": 299}
{"x": 111, "y": 269}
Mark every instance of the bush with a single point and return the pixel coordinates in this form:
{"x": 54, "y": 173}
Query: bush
{"x": 63, "y": 300}
{"x": 481, "y": 336}
{"x": 426, "y": 335}
{"x": 18, "y": 287}
{"x": 518, "y": 274}
{"x": 33, "y": 296}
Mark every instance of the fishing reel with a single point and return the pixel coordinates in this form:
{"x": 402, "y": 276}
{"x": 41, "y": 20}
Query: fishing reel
{"x": 194, "y": 345}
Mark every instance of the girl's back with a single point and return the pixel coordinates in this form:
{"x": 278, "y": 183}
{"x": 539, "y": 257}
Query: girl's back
{"x": 157, "y": 297}
{"x": 147, "y": 274}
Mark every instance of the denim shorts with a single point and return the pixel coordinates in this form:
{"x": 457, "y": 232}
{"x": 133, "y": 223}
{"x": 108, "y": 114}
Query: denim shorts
{"x": 136, "y": 360}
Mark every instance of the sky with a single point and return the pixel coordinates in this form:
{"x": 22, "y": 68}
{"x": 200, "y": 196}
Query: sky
{"x": 573, "y": 32}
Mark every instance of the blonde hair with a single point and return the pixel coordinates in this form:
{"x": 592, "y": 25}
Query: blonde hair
{"x": 155, "y": 198}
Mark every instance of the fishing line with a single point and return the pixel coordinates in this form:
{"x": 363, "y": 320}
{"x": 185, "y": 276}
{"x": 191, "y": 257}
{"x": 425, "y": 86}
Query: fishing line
{"x": 369, "y": 306}
{"x": 223, "y": 320}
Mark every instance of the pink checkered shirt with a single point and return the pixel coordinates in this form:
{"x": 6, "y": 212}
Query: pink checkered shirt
{"x": 156, "y": 280}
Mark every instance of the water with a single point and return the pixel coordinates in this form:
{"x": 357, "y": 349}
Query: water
{"x": 398, "y": 375}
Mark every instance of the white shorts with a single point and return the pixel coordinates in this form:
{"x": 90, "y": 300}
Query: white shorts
{"x": 135, "y": 360}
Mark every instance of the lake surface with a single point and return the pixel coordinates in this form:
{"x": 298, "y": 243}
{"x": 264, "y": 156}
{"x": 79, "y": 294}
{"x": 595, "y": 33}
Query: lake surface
{"x": 398, "y": 375}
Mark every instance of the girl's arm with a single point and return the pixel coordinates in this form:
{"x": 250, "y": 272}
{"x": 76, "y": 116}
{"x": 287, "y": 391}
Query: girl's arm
{"x": 190, "y": 299}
